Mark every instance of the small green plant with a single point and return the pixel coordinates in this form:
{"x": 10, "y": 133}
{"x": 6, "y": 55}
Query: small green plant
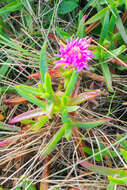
{"x": 29, "y": 32}
{"x": 52, "y": 103}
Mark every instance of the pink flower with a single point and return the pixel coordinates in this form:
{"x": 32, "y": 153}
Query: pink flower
{"x": 75, "y": 54}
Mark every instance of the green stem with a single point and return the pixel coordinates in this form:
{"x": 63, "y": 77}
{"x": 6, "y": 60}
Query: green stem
{"x": 71, "y": 84}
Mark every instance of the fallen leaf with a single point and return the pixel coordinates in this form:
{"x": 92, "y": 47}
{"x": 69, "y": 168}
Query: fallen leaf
{"x": 118, "y": 62}
{"x": 92, "y": 26}
{"x": 1, "y": 117}
{"x": 19, "y": 100}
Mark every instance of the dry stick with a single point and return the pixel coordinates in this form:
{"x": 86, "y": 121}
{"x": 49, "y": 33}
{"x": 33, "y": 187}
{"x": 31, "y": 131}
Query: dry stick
{"x": 45, "y": 173}
{"x": 92, "y": 26}
{"x": 25, "y": 163}
{"x": 39, "y": 171}
{"x": 94, "y": 76}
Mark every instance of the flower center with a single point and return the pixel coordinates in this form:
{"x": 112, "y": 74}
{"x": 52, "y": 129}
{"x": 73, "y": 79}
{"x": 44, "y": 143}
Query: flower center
{"x": 76, "y": 50}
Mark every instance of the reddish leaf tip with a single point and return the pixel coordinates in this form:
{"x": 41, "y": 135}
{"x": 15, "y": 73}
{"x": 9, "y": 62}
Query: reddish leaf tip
{"x": 11, "y": 121}
{"x": 3, "y": 143}
{"x": 108, "y": 119}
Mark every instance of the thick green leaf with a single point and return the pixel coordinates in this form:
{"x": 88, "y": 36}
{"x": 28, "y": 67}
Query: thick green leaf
{"x": 85, "y": 96}
{"x": 30, "y": 97}
{"x": 7, "y": 1}
{"x": 124, "y": 154}
{"x": 54, "y": 141}
{"x": 110, "y": 54}
{"x": 29, "y": 90}
{"x": 40, "y": 124}
{"x": 66, "y": 7}
{"x": 72, "y": 108}
{"x": 43, "y": 62}
{"x": 65, "y": 117}
{"x": 67, "y": 124}
{"x": 49, "y": 108}
{"x": 119, "y": 181}
{"x": 104, "y": 170}
{"x": 90, "y": 124}
{"x": 68, "y": 130}
{"x": 27, "y": 115}
{"x": 28, "y": 121}
{"x": 48, "y": 84}
{"x": 18, "y": 188}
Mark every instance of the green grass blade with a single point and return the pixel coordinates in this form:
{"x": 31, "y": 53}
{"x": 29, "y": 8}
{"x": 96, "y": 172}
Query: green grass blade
{"x": 43, "y": 62}
{"x": 81, "y": 29}
{"x": 98, "y": 16}
{"x": 120, "y": 26}
{"x": 104, "y": 30}
{"x": 104, "y": 66}
{"x": 3, "y": 70}
{"x": 7, "y": 89}
{"x": 12, "y": 6}
{"x": 107, "y": 76}
{"x": 121, "y": 29}
{"x": 112, "y": 24}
